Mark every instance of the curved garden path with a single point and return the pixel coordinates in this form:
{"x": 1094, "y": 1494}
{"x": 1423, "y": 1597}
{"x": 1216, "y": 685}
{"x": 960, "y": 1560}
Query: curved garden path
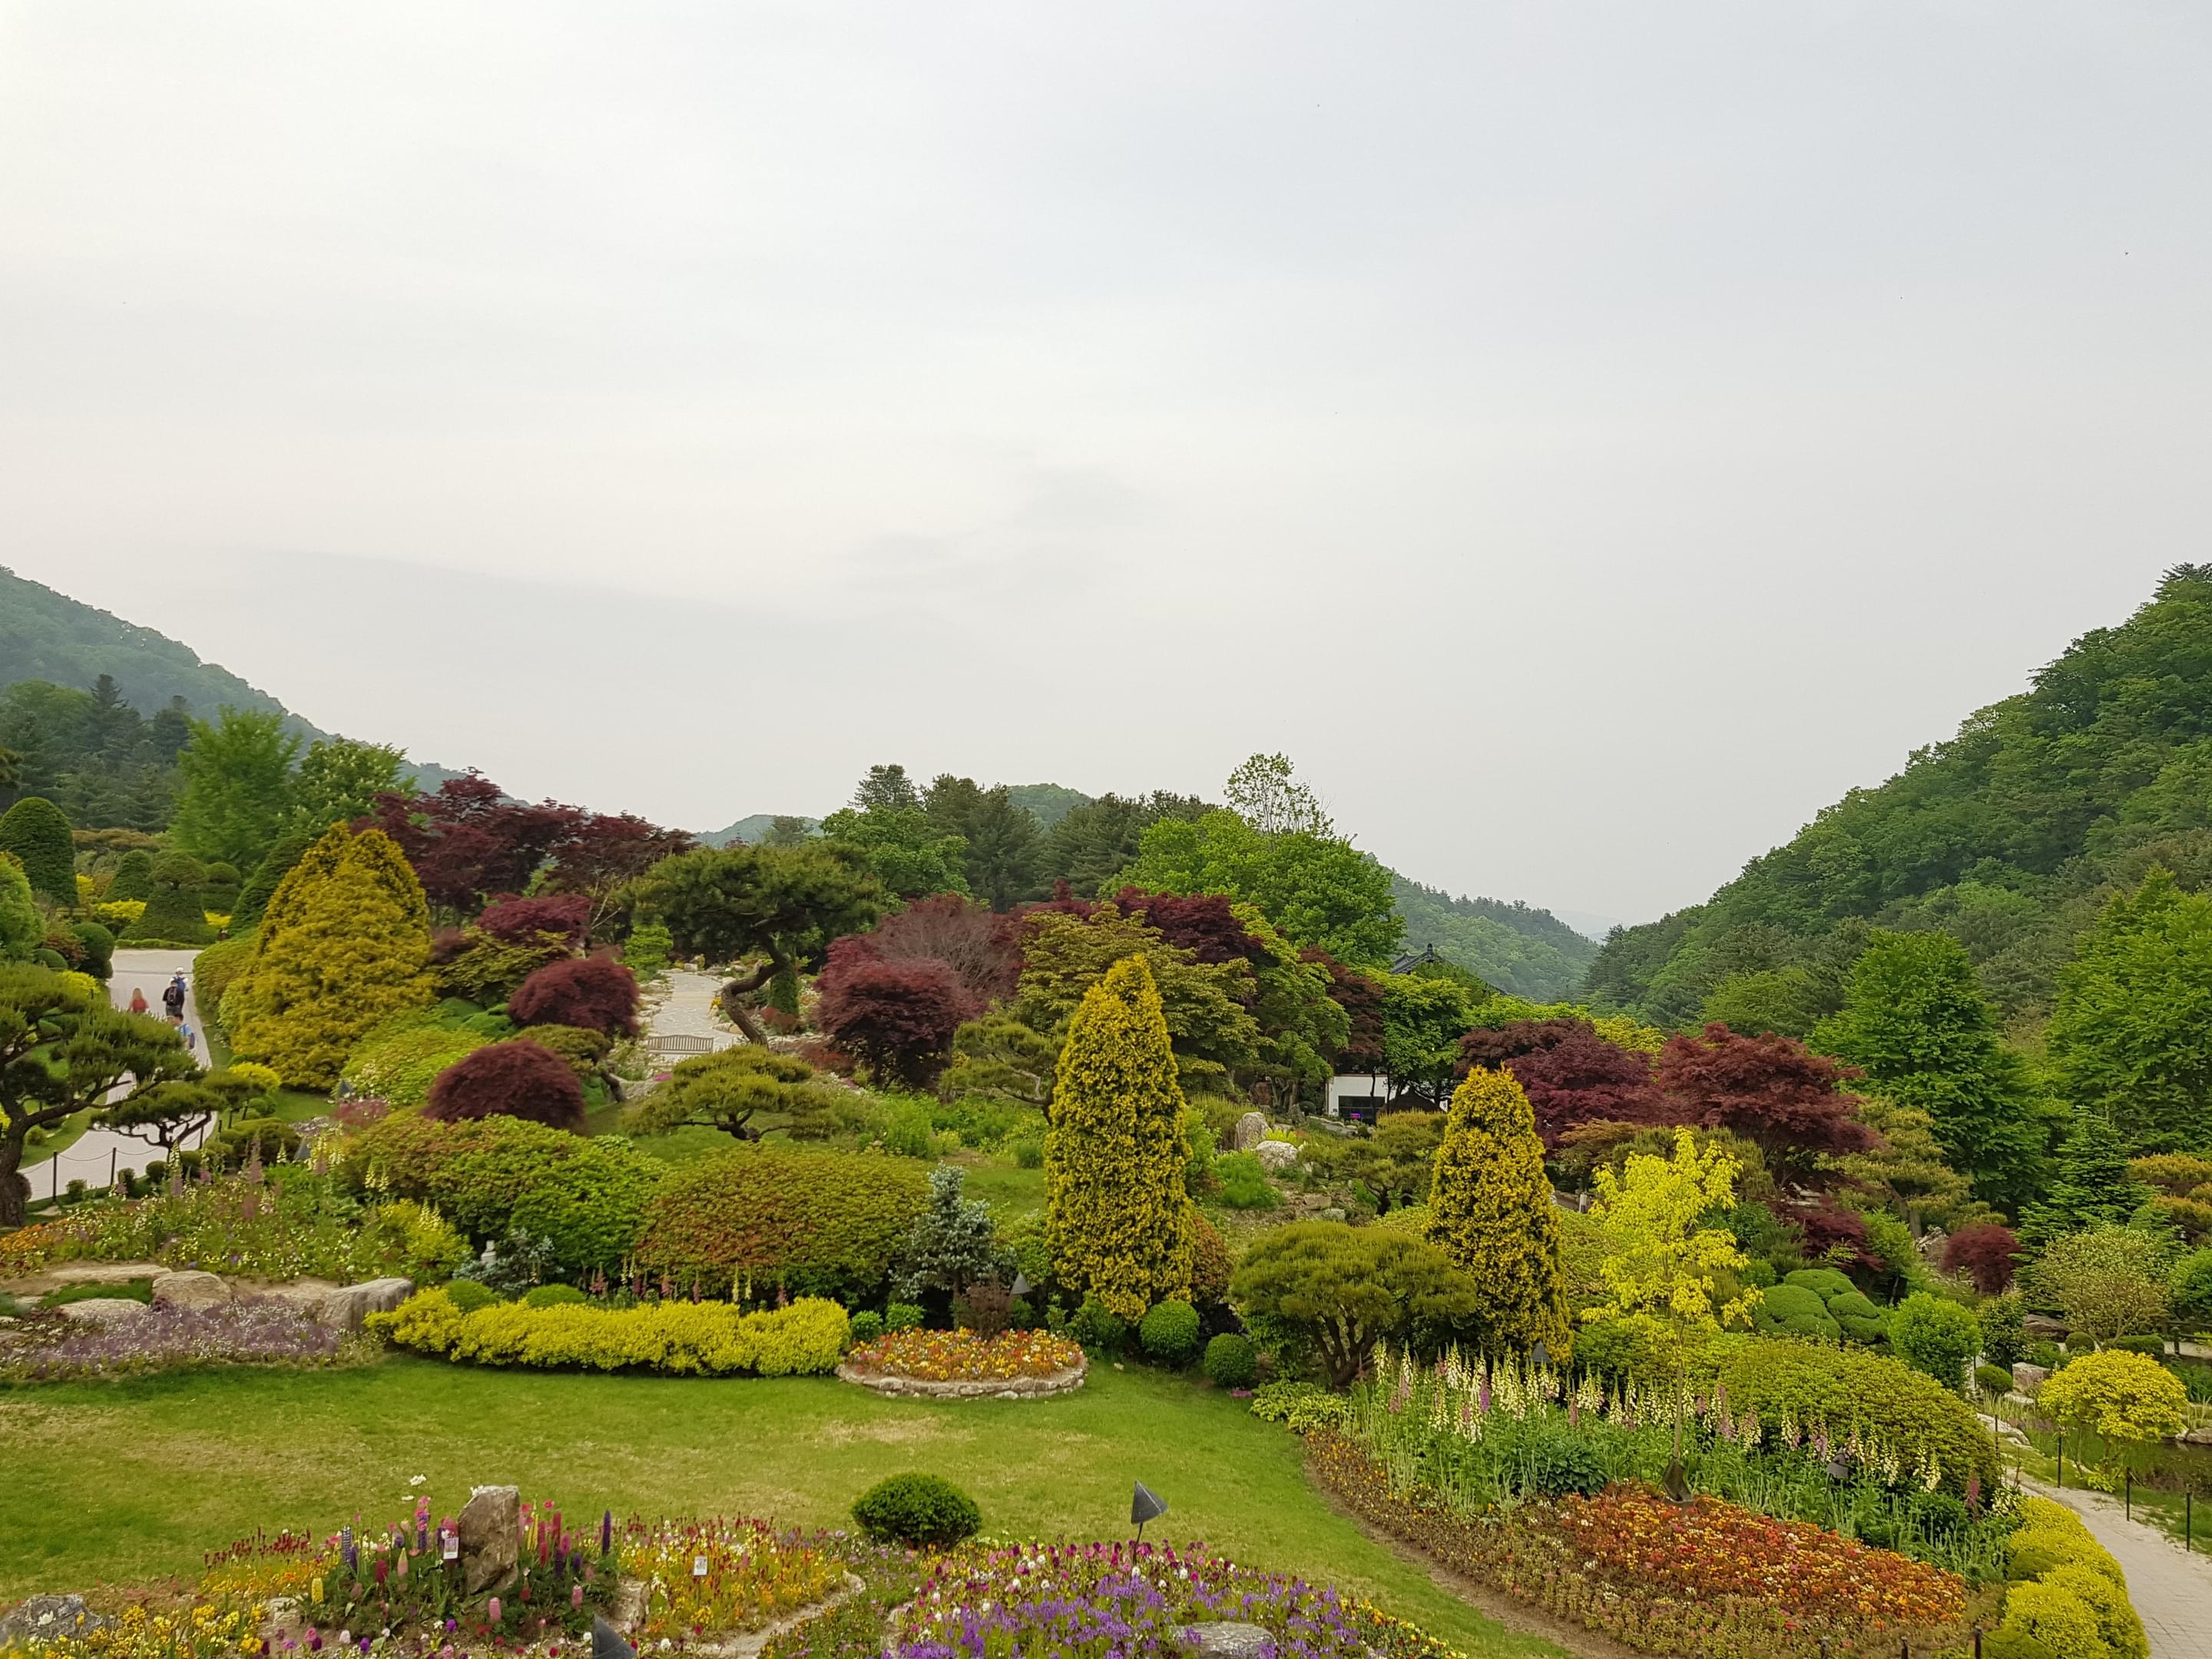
{"x": 97, "y": 1153}
{"x": 687, "y": 1009}
{"x": 2171, "y": 1591}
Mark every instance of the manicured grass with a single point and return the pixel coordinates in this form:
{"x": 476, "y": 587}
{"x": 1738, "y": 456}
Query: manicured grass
{"x": 1008, "y": 1190}
{"x": 59, "y": 1138}
{"x": 126, "y": 1482}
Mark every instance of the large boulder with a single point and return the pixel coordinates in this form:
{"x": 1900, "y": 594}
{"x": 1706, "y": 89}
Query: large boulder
{"x": 191, "y": 1289}
{"x": 347, "y": 1308}
{"x": 1227, "y": 1639}
{"x": 1277, "y": 1155}
{"x": 45, "y": 1618}
{"x": 1251, "y": 1129}
{"x": 104, "y": 1311}
{"x": 491, "y": 1528}
{"x": 2029, "y": 1378}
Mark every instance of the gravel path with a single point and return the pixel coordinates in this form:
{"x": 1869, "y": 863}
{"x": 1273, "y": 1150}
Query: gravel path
{"x": 2172, "y": 1591}
{"x": 99, "y": 1154}
{"x": 688, "y": 1010}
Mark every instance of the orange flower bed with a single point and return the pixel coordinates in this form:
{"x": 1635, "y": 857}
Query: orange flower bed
{"x": 1631, "y": 1537}
{"x": 964, "y": 1356}
{"x": 29, "y": 1249}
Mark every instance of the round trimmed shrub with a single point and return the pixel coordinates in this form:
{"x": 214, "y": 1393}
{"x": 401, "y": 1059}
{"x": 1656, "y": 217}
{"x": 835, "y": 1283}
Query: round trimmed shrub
{"x": 1230, "y": 1361}
{"x": 867, "y": 1326}
{"x": 1993, "y": 1380}
{"x": 468, "y": 1295}
{"x": 494, "y": 1176}
{"x": 552, "y": 1296}
{"x": 1099, "y": 1327}
{"x": 520, "y": 1079}
{"x": 98, "y": 943}
{"x": 134, "y": 877}
{"x": 1795, "y": 1310}
{"x": 589, "y": 992}
{"x": 2152, "y": 1346}
{"x": 917, "y": 1510}
{"x": 36, "y": 831}
{"x": 174, "y": 912}
{"x": 1168, "y": 1332}
{"x": 1934, "y": 1336}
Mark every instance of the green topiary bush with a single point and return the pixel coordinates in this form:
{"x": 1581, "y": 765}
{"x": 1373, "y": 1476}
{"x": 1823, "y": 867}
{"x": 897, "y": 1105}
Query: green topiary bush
{"x": 1935, "y": 1337}
{"x": 134, "y": 877}
{"x": 917, "y": 1510}
{"x": 398, "y": 1061}
{"x": 552, "y": 1296}
{"x": 175, "y": 913}
{"x": 1231, "y": 1361}
{"x": 1910, "y": 1414}
{"x": 35, "y": 830}
{"x": 818, "y": 1223}
{"x": 1099, "y": 1327}
{"x": 868, "y": 1326}
{"x": 1995, "y": 1381}
{"x": 1795, "y": 1310}
{"x": 2153, "y": 1346}
{"x": 468, "y": 1295}
{"x": 98, "y": 943}
{"x": 1168, "y": 1332}
{"x": 494, "y": 1177}
{"x": 903, "y": 1316}
{"x": 1842, "y": 1304}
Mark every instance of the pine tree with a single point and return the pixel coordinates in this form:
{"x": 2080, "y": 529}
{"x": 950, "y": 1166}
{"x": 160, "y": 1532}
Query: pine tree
{"x": 35, "y": 831}
{"x": 345, "y": 944}
{"x": 2090, "y": 1182}
{"x": 1489, "y": 1210}
{"x": 1121, "y": 1222}
{"x": 134, "y": 877}
{"x": 176, "y": 912}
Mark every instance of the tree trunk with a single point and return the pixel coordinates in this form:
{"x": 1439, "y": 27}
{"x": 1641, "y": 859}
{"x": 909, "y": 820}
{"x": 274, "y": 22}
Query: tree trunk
{"x": 735, "y": 1010}
{"x": 15, "y": 1191}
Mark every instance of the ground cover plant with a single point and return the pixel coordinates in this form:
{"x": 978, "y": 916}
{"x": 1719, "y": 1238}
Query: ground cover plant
{"x": 53, "y": 1349}
{"x": 679, "y": 1338}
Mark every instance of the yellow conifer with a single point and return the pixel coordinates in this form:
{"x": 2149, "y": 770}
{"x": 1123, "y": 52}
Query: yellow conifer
{"x": 1121, "y": 1225}
{"x": 1489, "y": 1210}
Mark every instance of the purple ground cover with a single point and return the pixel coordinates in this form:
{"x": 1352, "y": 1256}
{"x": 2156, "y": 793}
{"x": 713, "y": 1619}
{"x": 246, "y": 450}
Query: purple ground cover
{"x": 163, "y": 1338}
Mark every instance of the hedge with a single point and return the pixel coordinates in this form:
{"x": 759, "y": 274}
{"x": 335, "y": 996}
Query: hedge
{"x": 685, "y": 1338}
{"x": 817, "y": 1222}
{"x": 1898, "y": 1407}
{"x": 492, "y": 1175}
{"x": 399, "y": 1065}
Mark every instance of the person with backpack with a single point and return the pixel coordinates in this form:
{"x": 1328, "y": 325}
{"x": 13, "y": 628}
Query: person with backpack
{"x": 173, "y": 1000}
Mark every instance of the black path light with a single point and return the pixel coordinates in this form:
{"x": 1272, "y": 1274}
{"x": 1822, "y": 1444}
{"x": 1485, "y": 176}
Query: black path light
{"x": 1145, "y": 1504}
{"x": 1022, "y": 1285}
{"x": 607, "y": 1641}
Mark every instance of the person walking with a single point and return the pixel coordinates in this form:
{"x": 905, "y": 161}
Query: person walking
{"x": 173, "y": 1000}
{"x": 138, "y": 1003}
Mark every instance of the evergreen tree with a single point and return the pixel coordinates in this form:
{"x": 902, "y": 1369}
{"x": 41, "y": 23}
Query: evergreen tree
{"x": 953, "y": 1247}
{"x": 1489, "y": 1211}
{"x": 1914, "y": 1020}
{"x": 345, "y": 944}
{"x": 2090, "y": 1183}
{"x": 260, "y": 886}
{"x": 2132, "y": 1034}
{"x": 134, "y": 877}
{"x": 35, "y": 831}
{"x": 237, "y": 787}
{"x": 22, "y": 927}
{"x": 1120, "y": 1219}
{"x": 176, "y": 912}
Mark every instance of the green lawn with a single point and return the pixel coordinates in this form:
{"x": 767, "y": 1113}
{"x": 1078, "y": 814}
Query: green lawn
{"x": 127, "y": 1482}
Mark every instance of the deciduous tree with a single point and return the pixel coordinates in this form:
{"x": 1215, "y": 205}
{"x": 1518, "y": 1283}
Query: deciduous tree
{"x": 1572, "y": 1075}
{"x": 237, "y": 774}
{"x": 1768, "y": 1089}
{"x": 983, "y": 947}
{"x": 2106, "y": 1281}
{"x": 896, "y": 1017}
{"x": 338, "y": 780}
{"x": 1662, "y": 1260}
{"x": 1344, "y": 1288}
{"x": 1320, "y": 890}
{"x": 520, "y": 1079}
{"x": 590, "y": 993}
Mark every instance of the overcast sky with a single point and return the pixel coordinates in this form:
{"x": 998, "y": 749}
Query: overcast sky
{"x": 1588, "y": 437}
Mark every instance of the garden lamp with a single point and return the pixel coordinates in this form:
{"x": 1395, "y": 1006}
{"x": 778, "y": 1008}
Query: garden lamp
{"x": 1022, "y": 1285}
{"x": 607, "y": 1641}
{"x": 1145, "y": 1504}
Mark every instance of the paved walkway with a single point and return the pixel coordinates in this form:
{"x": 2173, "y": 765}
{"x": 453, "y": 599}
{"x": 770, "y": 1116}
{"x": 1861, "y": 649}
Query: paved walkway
{"x": 688, "y": 1010}
{"x": 2171, "y": 1591}
{"x": 99, "y": 1155}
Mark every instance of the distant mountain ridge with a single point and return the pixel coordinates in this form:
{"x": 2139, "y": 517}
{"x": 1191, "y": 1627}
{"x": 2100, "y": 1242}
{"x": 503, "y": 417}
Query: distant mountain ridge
{"x": 47, "y": 636}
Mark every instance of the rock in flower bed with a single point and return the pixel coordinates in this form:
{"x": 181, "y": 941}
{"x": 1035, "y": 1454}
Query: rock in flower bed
{"x": 1706, "y": 1578}
{"x": 1131, "y": 1600}
{"x": 55, "y": 1349}
{"x": 960, "y": 1364}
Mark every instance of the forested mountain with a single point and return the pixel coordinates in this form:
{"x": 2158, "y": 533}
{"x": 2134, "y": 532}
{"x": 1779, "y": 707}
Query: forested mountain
{"x": 1528, "y": 953}
{"x": 95, "y": 707}
{"x": 2011, "y": 836}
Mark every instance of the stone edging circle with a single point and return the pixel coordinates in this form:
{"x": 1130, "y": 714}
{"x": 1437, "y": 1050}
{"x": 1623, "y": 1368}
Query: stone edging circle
{"x": 1000, "y": 1388}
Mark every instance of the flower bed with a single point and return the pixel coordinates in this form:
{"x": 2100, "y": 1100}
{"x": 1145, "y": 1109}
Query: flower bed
{"x": 1709, "y": 1579}
{"x": 755, "y": 1575}
{"x": 1133, "y": 1602}
{"x": 1021, "y": 1364}
{"x": 55, "y": 1349}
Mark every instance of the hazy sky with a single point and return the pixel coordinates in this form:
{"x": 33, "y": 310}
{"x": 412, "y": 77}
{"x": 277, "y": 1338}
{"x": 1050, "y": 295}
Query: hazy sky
{"x": 1588, "y": 437}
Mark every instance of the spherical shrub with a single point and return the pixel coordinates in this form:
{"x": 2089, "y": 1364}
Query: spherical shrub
{"x": 589, "y": 991}
{"x": 1934, "y": 1336}
{"x": 1994, "y": 1381}
{"x": 468, "y": 1296}
{"x": 868, "y": 1326}
{"x": 1099, "y": 1327}
{"x": 509, "y": 1079}
{"x": 552, "y": 1296}
{"x": 917, "y": 1510}
{"x": 1230, "y": 1362}
{"x": 1168, "y": 1332}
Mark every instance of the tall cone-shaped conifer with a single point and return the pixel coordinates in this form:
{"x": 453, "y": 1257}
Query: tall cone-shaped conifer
{"x": 345, "y": 945}
{"x": 1122, "y": 1228}
{"x": 1489, "y": 1210}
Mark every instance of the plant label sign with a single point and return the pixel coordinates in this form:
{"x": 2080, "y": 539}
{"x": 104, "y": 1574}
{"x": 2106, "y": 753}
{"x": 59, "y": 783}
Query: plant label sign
{"x": 449, "y": 1545}
{"x": 698, "y": 1567}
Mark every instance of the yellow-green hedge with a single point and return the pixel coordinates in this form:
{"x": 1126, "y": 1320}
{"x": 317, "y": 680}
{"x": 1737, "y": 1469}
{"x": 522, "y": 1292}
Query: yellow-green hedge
{"x": 2073, "y": 1598}
{"x": 688, "y": 1338}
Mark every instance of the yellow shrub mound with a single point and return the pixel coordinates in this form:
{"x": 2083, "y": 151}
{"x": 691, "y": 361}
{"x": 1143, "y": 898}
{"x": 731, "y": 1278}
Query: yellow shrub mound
{"x": 687, "y": 1339}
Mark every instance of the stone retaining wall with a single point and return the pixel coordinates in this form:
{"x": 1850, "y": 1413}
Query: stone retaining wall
{"x": 1005, "y": 1387}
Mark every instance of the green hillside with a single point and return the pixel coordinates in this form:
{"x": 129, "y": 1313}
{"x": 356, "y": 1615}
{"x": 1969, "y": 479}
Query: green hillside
{"x": 45, "y": 636}
{"x": 2010, "y": 836}
{"x": 1529, "y": 952}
